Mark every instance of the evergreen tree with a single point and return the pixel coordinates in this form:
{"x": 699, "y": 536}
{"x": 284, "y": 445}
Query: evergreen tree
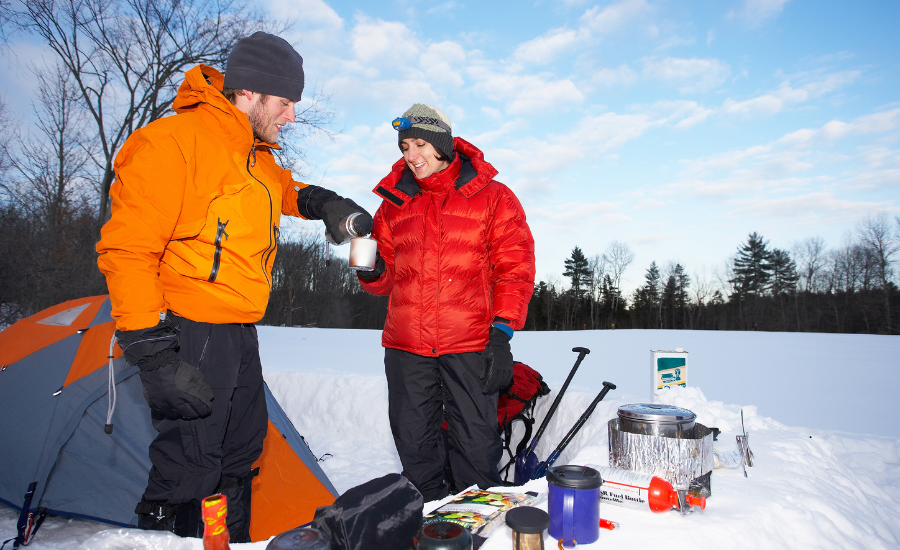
{"x": 667, "y": 304}
{"x": 682, "y": 282}
{"x": 784, "y": 272}
{"x": 752, "y": 267}
{"x": 646, "y": 299}
{"x": 578, "y": 270}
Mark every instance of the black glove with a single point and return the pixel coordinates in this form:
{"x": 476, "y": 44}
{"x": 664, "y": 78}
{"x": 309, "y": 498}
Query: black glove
{"x": 374, "y": 273}
{"x": 335, "y": 211}
{"x": 497, "y": 362}
{"x": 318, "y": 203}
{"x": 172, "y": 387}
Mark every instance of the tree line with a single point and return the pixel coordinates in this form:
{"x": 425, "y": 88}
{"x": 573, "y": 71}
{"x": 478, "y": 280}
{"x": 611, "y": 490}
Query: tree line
{"x": 851, "y": 288}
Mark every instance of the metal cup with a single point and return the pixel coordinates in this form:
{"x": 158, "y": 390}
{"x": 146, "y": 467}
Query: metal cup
{"x": 363, "y": 252}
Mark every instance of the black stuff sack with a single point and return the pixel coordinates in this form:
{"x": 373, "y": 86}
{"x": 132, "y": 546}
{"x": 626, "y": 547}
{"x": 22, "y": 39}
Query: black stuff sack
{"x": 385, "y": 512}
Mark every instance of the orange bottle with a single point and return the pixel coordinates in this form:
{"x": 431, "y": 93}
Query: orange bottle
{"x": 215, "y": 533}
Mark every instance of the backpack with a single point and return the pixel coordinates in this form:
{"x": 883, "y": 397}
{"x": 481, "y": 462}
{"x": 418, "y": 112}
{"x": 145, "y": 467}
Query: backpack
{"x": 517, "y": 402}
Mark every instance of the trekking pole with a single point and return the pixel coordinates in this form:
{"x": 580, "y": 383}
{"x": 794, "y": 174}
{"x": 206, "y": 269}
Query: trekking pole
{"x": 542, "y": 468}
{"x": 525, "y": 461}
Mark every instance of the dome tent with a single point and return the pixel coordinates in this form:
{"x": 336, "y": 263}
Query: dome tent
{"x": 54, "y": 399}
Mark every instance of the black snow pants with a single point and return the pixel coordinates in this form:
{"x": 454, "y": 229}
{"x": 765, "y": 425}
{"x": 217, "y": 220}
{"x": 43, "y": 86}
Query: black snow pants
{"x": 193, "y": 459}
{"x": 422, "y": 391}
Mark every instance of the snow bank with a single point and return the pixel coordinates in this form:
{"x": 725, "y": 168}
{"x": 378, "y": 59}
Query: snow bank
{"x": 809, "y": 487}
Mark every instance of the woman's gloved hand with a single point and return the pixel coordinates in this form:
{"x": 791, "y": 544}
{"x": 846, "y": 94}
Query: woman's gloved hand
{"x": 375, "y": 272}
{"x": 497, "y": 362}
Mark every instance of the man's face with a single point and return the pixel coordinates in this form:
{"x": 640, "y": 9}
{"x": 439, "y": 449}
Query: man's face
{"x": 267, "y": 114}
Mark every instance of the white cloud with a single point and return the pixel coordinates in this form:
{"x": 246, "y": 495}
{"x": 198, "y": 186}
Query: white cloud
{"x": 443, "y": 8}
{"x": 526, "y": 93}
{"x": 613, "y": 17}
{"x": 552, "y": 96}
{"x": 683, "y": 114}
{"x": 546, "y": 48}
{"x": 612, "y": 77}
{"x": 385, "y": 44}
{"x": 674, "y": 42}
{"x": 818, "y": 86}
{"x": 442, "y": 62}
{"x": 312, "y": 13}
{"x": 649, "y": 203}
{"x": 768, "y": 104}
{"x": 692, "y": 75}
{"x": 393, "y": 96}
{"x": 757, "y": 11}
{"x": 875, "y": 123}
{"x": 785, "y": 95}
{"x": 799, "y": 173}
{"x": 594, "y": 23}
{"x": 808, "y": 208}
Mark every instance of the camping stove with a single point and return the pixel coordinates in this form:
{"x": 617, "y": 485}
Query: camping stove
{"x": 683, "y": 456}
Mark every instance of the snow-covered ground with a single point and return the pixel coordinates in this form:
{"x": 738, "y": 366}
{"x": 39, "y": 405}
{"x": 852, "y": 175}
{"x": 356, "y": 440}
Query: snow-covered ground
{"x": 832, "y": 483}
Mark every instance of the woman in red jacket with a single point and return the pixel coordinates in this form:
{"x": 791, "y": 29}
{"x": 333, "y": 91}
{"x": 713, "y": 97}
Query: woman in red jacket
{"x": 456, "y": 257}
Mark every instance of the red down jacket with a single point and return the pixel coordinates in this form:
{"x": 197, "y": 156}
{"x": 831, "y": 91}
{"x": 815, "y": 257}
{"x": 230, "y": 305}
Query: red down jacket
{"x": 457, "y": 252}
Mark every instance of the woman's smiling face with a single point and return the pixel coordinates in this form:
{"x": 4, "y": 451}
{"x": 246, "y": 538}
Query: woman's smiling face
{"x": 421, "y": 157}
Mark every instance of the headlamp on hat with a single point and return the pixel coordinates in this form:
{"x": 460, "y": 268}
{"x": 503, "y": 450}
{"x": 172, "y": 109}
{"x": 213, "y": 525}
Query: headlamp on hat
{"x": 401, "y": 123}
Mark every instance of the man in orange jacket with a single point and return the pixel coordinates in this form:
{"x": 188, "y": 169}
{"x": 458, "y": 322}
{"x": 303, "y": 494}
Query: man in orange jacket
{"x": 188, "y": 254}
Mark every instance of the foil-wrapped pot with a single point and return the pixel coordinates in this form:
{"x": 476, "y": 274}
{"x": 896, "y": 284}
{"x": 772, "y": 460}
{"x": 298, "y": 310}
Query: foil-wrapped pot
{"x": 679, "y": 460}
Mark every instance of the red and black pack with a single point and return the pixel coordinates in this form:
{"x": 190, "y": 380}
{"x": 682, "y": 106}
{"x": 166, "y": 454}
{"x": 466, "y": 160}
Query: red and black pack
{"x": 517, "y": 402}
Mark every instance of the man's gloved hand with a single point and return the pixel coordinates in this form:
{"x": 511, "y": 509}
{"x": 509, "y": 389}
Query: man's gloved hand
{"x": 175, "y": 388}
{"x": 374, "y": 273}
{"x": 497, "y": 362}
{"x": 171, "y": 386}
{"x": 333, "y": 212}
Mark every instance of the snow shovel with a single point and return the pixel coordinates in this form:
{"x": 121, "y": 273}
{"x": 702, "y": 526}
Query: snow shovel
{"x": 541, "y": 469}
{"x": 526, "y": 460}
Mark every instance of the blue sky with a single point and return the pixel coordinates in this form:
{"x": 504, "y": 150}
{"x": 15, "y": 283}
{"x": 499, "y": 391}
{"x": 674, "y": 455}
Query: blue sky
{"x": 676, "y": 126}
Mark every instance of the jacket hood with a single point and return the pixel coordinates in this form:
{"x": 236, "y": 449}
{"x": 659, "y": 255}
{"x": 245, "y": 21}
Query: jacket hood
{"x": 474, "y": 174}
{"x": 202, "y": 90}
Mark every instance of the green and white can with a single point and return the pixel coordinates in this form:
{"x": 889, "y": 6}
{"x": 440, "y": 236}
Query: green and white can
{"x": 670, "y": 368}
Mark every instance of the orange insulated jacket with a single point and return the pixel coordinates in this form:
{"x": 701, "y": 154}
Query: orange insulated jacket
{"x": 196, "y": 207}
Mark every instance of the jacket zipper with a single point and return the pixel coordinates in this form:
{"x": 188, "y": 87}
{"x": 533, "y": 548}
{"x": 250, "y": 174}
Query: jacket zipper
{"x": 274, "y": 248}
{"x": 217, "y": 258}
{"x": 273, "y": 242}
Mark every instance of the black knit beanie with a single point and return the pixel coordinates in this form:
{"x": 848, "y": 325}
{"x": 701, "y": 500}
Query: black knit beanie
{"x": 440, "y": 138}
{"x": 266, "y": 64}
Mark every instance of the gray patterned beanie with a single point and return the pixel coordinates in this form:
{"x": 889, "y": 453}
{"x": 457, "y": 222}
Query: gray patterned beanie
{"x": 436, "y": 130}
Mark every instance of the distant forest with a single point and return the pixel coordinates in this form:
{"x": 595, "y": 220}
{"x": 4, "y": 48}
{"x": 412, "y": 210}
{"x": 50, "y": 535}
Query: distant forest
{"x": 811, "y": 288}
{"x": 115, "y": 65}
{"x": 48, "y": 259}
